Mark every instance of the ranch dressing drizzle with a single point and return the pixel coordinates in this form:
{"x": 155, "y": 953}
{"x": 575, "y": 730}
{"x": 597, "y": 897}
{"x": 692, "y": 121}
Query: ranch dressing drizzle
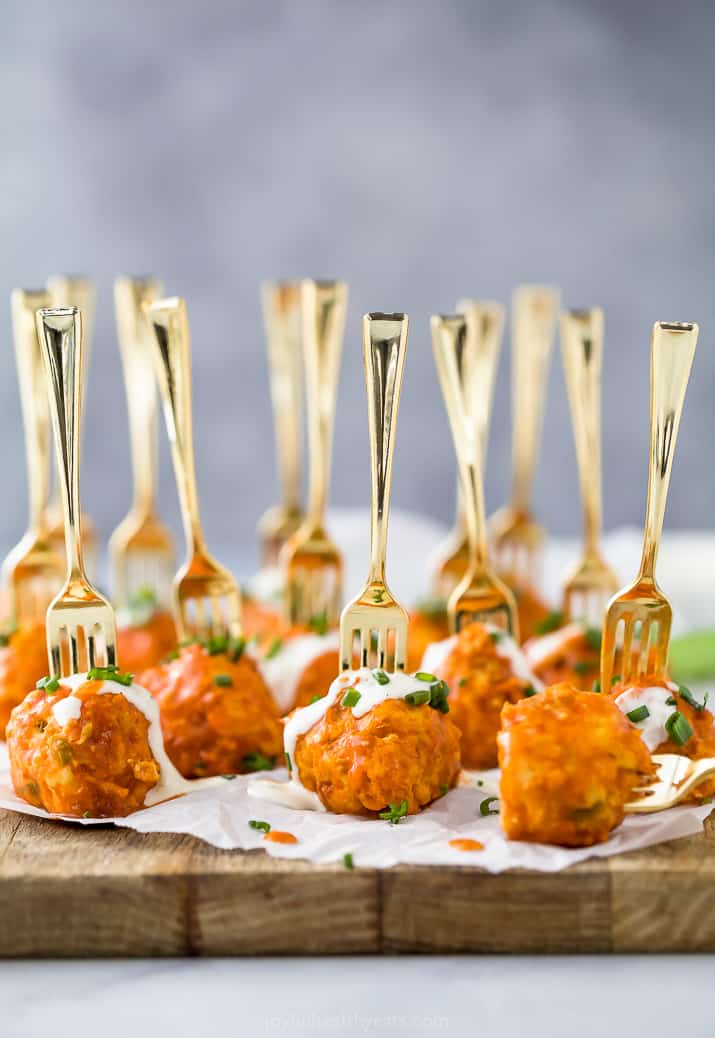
{"x": 372, "y": 693}
{"x": 436, "y": 655}
{"x": 283, "y": 671}
{"x": 652, "y": 728}
{"x": 170, "y": 783}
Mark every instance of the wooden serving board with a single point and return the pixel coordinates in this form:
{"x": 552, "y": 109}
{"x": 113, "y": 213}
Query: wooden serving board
{"x": 66, "y": 891}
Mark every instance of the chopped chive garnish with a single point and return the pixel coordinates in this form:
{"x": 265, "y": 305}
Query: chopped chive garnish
{"x": 229, "y": 778}
{"x": 462, "y": 682}
{"x": 63, "y": 751}
{"x": 438, "y": 697}
{"x": 199, "y": 766}
{"x": 223, "y": 680}
{"x": 485, "y": 808}
{"x": 319, "y": 623}
{"x": 529, "y": 691}
{"x": 49, "y": 685}
{"x": 552, "y": 622}
{"x": 274, "y": 648}
{"x": 381, "y": 677}
{"x": 423, "y": 675}
{"x": 314, "y": 699}
{"x": 639, "y": 713}
{"x": 348, "y": 861}
{"x": 261, "y": 827}
{"x": 289, "y": 764}
{"x": 582, "y": 667}
{"x": 255, "y": 761}
{"x": 87, "y": 814}
{"x": 4, "y": 640}
{"x": 173, "y": 655}
{"x": 109, "y": 674}
{"x": 418, "y": 698}
{"x": 678, "y": 728}
{"x": 670, "y": 701}
{"x": 444, "y": 788}
{"x": 351, "y": 697}
{"x": 394, "y": 812}
{"x": 689, "y": 698}
{"x": 480, "y": 782}
{"x": 593, "y": 638}
{"x": 496, "y": 636}
{"x": 596, "y": 687}
{"x": 615, "y": 679}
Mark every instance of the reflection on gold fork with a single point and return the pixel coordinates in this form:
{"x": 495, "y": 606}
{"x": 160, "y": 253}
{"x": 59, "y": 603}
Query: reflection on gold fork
{"x": 207, "y": 601}
{"x": 479, "y": 596}
{"x": 676, "y": 778}
{"x": 33, "y": 570}
{"x": 80, "y": 622}
{"x": 375, "y": 617}
{"x": 638, "y": 619}
{"x": 312, "y": 563}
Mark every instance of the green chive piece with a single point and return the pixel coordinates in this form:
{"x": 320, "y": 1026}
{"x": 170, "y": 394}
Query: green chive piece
{"x": 223, "y": 680}
{"x": 438, "y": 697}
{"x": 639, "y": 713}
{"x": 314, "y": 699}
{"x": 422, "y": 675}
{"x": 199, "y": 766}
{"x": 678, "y": 728}
{"x": 49, "y": 685}
{"x": 552, "y": 622}
{"x": 109, "y": 674}
{"x": 689, "y": 698}
{"x": 234, "y": 649}
{"x": 63, "y": 751}
{"x": 670, "y": 701}
{"x": 593, "y": 637}
{"x": 444, "y": 789}
{"x": 381, "y": 677}
{"x": 261, "y": 827}
{"x": 394, "y": 812}
{"x": 289, "y": 764}
{"x": 348, "y": 861}
{"x": 582, "y": 667}
{"x": 615, "y": 679}
{"x": 432, "y": 608}
{"x": 274, "y": 648}
{"x": 87, "y": 814}
{"x": 319, "y": 623}
{"x": 496, "y": 636}
{"x": 418, "y": 698}
{"x": 173, "y": 655}
{"x": 462, "y": 682}
{"x": 596, "y": 687}
{"x": 255, "y": 761}
{"x": 480, "y": 782}
{"x": 351, "y": 698}
{"x": 485, "y": 806}
{"x": 215, "y": 646}
{"x": 229, "y": 778}
{"x": 529, "y": 691}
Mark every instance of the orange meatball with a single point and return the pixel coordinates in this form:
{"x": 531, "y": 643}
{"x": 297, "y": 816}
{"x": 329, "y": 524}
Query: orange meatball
{"x": 531, "y": 609}
{"x": 569, "y": 763}
{"x": 259, "y": 621}
{"x": 428, "y": 624}
{"x": 317, "y": 677}
{"x": 23, "y": 661}
{"x": 216, "y": 710}
{"x": 143, "y": 645}
{"x": 480, "y": 681}
{"x": 98, "y": 764}
{"x": 393, "y": 753}
{"x": 571, "y": 653}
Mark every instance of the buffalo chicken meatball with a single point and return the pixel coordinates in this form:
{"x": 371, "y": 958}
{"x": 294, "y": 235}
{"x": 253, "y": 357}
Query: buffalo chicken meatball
{"x": 484, "y": 669}
{"x": 82, "y": 746}
{"x": 23, "y": 661}
{"x": 217, "y": 714}
{"x": 569, "y": 761}
{"x": 377, "y": 744}
{"x": 145, "y": 633}
{"x": 571, "y": 653}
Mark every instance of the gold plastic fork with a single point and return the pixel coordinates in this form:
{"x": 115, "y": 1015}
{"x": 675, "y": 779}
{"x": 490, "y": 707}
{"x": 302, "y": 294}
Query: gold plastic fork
{"x": 207, "y": 599}
{"x": 642, "y": 610}
{"x": 592, "y": 583}
{"x": 312, "y": 563}
{"x": 375, "y": 617}
{"x": 485, "y": 328}
{"x": 33, "y": 570}
{"x": 141, "y": 548}
{"x": 479, "y": 595}
{"x": 676, "y": 778}
{"x": 80, "y": 622}
{"x": 71, "y": 290}
{"x": 516, "y": 537}
{"x": 281, "y": 315}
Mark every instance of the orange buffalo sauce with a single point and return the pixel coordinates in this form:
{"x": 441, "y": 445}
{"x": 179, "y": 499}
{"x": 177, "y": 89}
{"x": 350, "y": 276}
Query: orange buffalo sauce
{"x": 275, "y": 836}
{"x": 465, "y": 844}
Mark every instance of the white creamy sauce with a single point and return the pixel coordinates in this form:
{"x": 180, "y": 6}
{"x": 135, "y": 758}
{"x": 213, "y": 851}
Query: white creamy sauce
{"x": 170, "y": 783}
{"x": 538, "y": 650}
{"x": 436, "y": 656}
{"x": 652, "y": 728}
{"x": 283, "y": 671}
{"x": 372, "y": 693}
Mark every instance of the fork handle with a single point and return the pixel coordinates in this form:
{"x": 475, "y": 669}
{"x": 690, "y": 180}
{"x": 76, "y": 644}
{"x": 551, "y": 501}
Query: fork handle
{"x": 130, "y": 295}
{"x": 281, "y": 317}
{"x": 534, "y": 310}
{"x": 384, "y": 339}
{"x": 323, "y": 305}
{"x": 582, "y": 353}
{"x": 672, "y": 351}
{"x": 33, "y": 400}
{"x": 59, "y": 330}
{"x": 456, "y": 376}
{"x": 169, "y": 322}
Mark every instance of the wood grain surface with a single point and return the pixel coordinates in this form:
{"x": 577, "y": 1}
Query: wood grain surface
{"x": 67, "y": 891}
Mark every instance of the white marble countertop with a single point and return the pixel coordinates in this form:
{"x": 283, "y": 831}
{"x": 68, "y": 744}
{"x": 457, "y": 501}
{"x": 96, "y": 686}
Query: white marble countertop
{"x": 484, "y": 996}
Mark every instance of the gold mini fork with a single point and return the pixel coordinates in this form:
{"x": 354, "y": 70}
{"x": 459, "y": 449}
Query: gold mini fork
{"x": 485, "y": 328}
{"x": 311, "y": 561}
{"x": 676, "y": 777}
{"x": 207, "y": 599}
{"x": 141, "y": 548}
{"x": 80, "y": 622}
{"x": 281, "y": 315}
{"x": 479, "y": 595}
{"x": 592, "y": 583}
{"x": 642, "y": 610}
{"x": 71, "y": 290}
{"x": 516, "y": 537}
{"x": 375, "y": 617}
{"x": 33, "y": 570}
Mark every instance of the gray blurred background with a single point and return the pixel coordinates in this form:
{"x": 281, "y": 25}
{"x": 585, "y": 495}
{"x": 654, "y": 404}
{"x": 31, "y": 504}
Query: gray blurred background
{"x": 422, "y": 151}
